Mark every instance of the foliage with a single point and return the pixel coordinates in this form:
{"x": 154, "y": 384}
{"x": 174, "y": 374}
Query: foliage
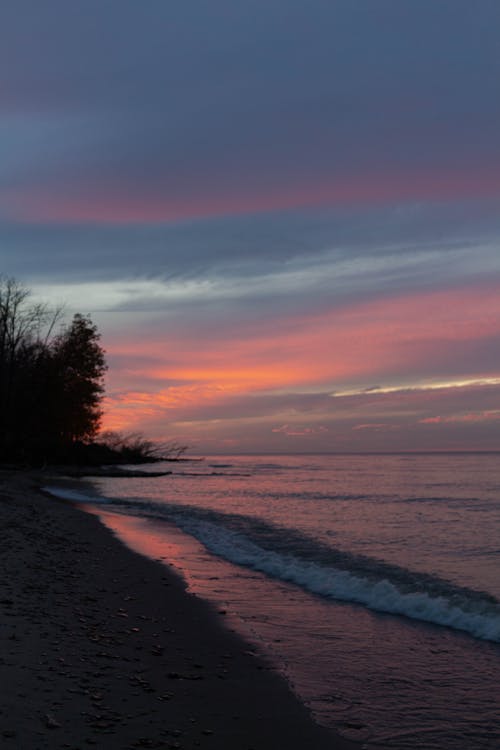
{"x": 51, "y": 386}
{"x": 79, "y": 367}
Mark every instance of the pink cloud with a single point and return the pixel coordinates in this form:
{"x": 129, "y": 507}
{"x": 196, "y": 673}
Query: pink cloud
{"x": 99, "y": 201}
{"x": 471, "y": 417}
{"x": 243, "y": 377}
{"x": 296, "y": 431}
{"x": 377, "y": 426}
{"x": 361, "y": 341}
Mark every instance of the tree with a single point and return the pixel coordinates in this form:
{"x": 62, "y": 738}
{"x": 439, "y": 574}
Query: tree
{"x": 24, "y": 331}
{"x": 78, "y": 365}
{"x": 51, "y": 386}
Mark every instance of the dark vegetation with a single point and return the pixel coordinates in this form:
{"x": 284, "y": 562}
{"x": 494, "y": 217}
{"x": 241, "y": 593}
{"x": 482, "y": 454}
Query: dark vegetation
{"x": 134, "y": 448}
{"x": 52, "y": 387}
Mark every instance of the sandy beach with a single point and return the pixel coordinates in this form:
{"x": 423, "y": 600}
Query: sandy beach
{"x": 102, "y": 647}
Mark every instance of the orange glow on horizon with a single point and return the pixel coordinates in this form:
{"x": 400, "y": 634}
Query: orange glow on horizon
{"x": 367, "y": 342}
{"x": 337, "y": 343}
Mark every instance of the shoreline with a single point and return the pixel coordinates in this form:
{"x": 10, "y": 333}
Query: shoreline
{"x": 102, "y": 646}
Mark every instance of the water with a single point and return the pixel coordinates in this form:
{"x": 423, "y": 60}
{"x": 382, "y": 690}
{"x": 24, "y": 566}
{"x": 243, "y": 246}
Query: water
{"x": 371, "y": 581}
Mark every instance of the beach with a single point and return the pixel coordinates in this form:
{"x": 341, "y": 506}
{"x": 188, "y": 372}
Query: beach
{"x": 103, "y": 647}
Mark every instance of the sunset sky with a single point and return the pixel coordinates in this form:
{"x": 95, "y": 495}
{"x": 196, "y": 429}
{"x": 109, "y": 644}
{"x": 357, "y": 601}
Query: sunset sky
{"x": 282, "y": 215}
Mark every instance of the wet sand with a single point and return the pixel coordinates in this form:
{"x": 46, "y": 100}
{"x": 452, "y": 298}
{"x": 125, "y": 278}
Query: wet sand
{"x": 102, "y": 647}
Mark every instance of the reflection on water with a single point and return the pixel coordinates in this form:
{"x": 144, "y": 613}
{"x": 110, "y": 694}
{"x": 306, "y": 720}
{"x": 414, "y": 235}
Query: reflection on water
{"x": 386, "y": 681}
{"x": 435, "y": 514}
{"x": 426, "y": 524}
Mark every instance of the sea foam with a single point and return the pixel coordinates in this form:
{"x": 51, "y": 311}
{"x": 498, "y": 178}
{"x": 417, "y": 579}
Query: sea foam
{"x": 478, "y": 617}
{"x": 365, "y": 581}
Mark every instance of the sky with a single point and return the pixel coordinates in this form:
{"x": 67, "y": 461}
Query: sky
{"x": 282, "y": 215}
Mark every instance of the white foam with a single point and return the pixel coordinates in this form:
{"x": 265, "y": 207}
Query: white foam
{"x": 480, "y": 618}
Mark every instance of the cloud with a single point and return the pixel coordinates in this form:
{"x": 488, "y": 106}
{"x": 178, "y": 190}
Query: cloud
{"x": 262, "y": 208}
{"x": 401, "y": 337}
{"x": 492, "y": 415}
{"x": 179, "y": 114}
{"x": 418, "y": 388}
{"x": 378, "y": 426}
{"x": 403, "y": 244}
{"x": 210, "y": 283}
{"x": 300, "y": 431}
{"x": 406, "y": 420}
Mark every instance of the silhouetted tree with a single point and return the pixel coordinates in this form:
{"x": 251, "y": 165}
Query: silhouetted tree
{"x": 51, "y": 390}
{"x": 78, "y": 365}
{"x": 16, "y": 326}
{"x": 51, "y": 387}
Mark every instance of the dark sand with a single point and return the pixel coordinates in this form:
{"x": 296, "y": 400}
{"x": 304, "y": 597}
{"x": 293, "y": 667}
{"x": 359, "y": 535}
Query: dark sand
{"x": 102, "y": 647}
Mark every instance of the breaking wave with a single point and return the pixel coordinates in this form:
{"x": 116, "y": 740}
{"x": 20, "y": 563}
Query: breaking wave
{"x": 476, "y": 614}
{"x": 291, "y": 556}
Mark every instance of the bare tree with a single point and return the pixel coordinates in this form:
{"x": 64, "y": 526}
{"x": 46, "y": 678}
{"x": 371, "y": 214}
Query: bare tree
{"x": 51, "y": 386}
{"x": 22, "y": 325}
{"x": 21, "y": 322}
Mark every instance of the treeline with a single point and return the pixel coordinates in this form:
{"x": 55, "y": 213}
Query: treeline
{"x": 51, "y": 380}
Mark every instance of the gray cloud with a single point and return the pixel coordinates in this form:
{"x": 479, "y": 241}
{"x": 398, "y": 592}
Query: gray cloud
{"x": 222, "y": 96}
{"x": 381, "y": 116}
{"x": 249, "y": 270}
{"x": 223, "y": 246}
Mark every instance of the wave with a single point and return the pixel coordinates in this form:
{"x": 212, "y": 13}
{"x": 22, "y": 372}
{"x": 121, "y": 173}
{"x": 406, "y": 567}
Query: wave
{"x": 478, "y": 615}
{"x": 291, "y": 556}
